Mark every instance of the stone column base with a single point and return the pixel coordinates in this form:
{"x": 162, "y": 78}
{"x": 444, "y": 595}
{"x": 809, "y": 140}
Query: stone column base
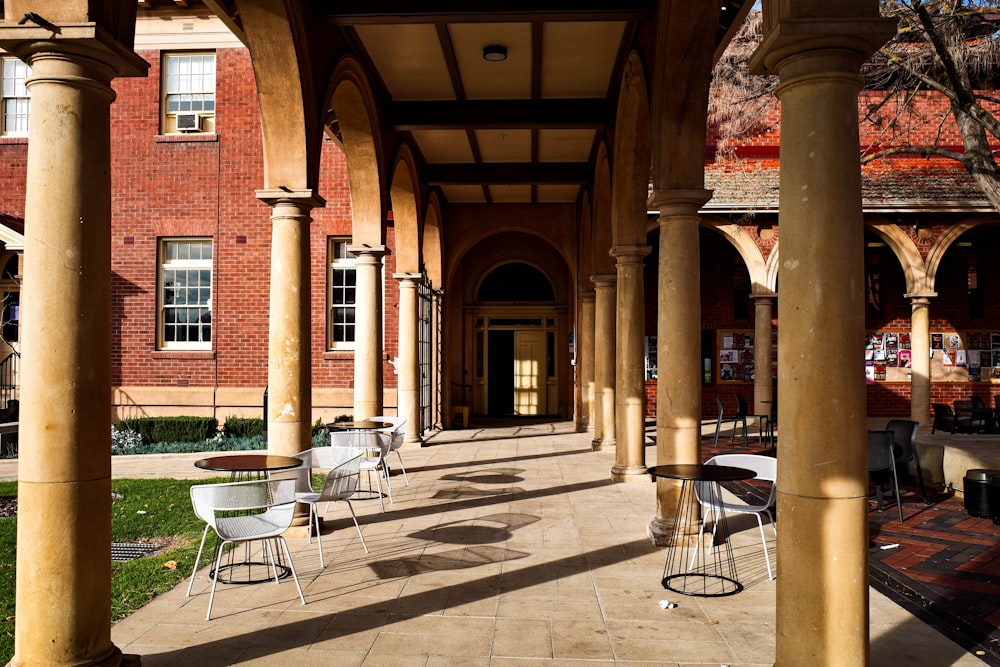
{"x": 599, "y": 445}
{"x": 629, "y": 474}
{"x": 661, "y": 534}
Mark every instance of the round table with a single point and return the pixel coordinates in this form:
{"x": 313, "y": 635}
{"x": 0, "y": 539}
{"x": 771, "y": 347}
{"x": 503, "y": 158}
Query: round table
{"x": 248, "y": 466}
{"x": 363, "y": 425}
{"x": 690, "y": 569}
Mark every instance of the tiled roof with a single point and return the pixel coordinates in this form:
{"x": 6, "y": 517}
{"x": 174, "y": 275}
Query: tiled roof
{"x": 898, "y": 184}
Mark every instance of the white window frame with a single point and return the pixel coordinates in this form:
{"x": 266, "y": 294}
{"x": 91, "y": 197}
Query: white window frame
{"x": 188, "y": 85}
{"x": 171, "y": 306}
{"x": 13, "y": 73}
{"x": 340, "y": 260}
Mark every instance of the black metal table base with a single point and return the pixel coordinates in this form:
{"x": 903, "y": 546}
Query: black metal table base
{"x": 248, "y": 571}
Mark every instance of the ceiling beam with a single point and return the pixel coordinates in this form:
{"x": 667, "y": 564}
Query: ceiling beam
{"x": 508, "y": 173}
{"x": 355, "y": 12}
{"x": 501, "y": 114}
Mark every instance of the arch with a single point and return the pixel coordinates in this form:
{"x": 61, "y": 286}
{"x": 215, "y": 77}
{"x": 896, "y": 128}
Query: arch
{"x": 290, "y": 125}
{"x": 352, "y": 108}
{"x": 515, "y": 282}
{"x": 405, "y": 211}
{"x": 906, "y": 253}
{"x": 601, "y": 238}
{"x": 510, "y": 247}
{"x": 944, "y": 242}
{"x": 432, "y": 241}
{"x": 631, "y": 158}
{"x": 761, "y": 279}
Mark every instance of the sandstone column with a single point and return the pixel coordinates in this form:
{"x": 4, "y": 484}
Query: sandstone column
{"x": 289, "y": 353}
{"x": 678, "y": 338}
{"x": 408, "y": 384}
{"x": 585, "y": 361}
{"x": 920, "y": 359}
{"x": 368, "y": 331}
{"x": 63, "y": 592}
{"x": 604, "y": 361}
{"x": 763, "y": 385}
{"x": 822, "y": 588}
{"x": 630, "y": 390}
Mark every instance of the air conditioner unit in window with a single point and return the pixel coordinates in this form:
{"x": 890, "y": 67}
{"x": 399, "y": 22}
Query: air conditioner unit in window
{"x": 188, "y": 122}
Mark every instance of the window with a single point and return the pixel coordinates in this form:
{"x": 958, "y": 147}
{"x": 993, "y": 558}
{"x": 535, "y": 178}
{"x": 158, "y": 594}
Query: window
{"x": 16, "y": 101}
{"x": 185, "y": 294}
{"x": 189, "y": 92}
{"x": 342, "y": 281}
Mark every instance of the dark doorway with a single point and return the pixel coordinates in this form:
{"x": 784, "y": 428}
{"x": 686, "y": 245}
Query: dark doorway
{"x": 501, "y": 373}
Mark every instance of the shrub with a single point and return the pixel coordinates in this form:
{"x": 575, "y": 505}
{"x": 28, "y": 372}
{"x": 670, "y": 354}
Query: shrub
{"x": 243, "y": 427}
{"x": 172, "y": 429}
{"x": 125, "y": 441}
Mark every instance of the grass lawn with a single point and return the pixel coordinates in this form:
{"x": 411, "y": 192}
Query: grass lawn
{"x": 157, "y": 510}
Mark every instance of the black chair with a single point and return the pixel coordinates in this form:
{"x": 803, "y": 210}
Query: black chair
{"x": 944, "y": 418}
{"x": 742, "y": 412}
{"x": 982, "y": 417}
{"x": 772, "y": 423}
{"x": 963, "y": 417}
{"x": 882, "y": 464}
{"x": 904, "y": 438}
{"x": 723, "y": 419}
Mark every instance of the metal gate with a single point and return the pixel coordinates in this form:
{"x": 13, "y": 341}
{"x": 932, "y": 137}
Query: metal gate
{"x": 429, "y": 355}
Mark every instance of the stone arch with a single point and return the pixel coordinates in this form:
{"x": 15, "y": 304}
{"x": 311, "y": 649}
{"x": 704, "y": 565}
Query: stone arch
{"x": 290, "y": 125}
{"x": 433, "y": 241}
{"x": 631, "y": 158}
{"x": 760, "y": 277}
{"x": 945, "y": 241}
{"x": 353, "y": 114}
{"x": 509, "y": 246}
{"x": 585, "y": 259}
{"x": 601, "y": 238}
{"x": 906, "y": 254}
{"x": 405, "y": 211}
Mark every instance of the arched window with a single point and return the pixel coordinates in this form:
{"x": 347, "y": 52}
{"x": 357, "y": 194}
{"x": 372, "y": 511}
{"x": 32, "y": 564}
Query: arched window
{"x": 516, "y": 282}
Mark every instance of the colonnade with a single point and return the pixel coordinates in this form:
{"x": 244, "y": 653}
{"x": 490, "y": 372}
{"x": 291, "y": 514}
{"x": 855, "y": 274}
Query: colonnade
{"x": 64, "y": 488}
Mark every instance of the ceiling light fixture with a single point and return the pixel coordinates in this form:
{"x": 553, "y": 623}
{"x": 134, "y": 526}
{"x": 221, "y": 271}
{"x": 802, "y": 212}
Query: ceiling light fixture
{"x": 495, "y": 53}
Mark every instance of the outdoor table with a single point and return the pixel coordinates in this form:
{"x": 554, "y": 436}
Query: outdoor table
{"x": 248, "y": 466}
{"x": 363, "y": 425}
{"x": 690, "y": 569}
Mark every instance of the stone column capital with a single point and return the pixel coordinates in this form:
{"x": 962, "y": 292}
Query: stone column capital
{"x": 676, "y": 202}
{"x": 630, "y": 254}
{"x": 604, "y": 280}
{"x": 408, "y": 279}
{"x": 794, "y": 47}
{"x": 365, "y": 251}
{"x": 920, "y": 298}
{"x": 77, "y": 42}
{"x": 764, "y": 296}
{"x": 307, "y": 199}
{"x": 587, "y": 295}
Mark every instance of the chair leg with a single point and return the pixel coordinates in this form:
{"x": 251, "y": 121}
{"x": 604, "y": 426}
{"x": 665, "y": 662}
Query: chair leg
{"x": 378, "y": 481}
{"x": 197, "y": 559}
{"x": 920, "y": 476}
{"x": 763, "y": 543}
{"x": 291, "y": 566}
{"x": 718, "y": 427}
{"x": 388, "y": 482}
{"x": 215, "y": 580}
{"x": 356, "y": 524}
{"x": 895, "y": 489}
{"x": 313, "y": 510}
{"x": 402, "y": 467}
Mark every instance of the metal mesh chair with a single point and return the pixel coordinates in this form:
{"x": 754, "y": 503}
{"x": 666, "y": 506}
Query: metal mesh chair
{"x": 340, "y": 484}
{"x": 882, "y": 463}
{"x": 243, "y": 512}
{"x": 904, "y": 439}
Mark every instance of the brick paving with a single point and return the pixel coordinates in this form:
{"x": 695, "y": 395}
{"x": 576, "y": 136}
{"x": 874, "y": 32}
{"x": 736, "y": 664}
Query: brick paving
{"x": 940, "y": 564}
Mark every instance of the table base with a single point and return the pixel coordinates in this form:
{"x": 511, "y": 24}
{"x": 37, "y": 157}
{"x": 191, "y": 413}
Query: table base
{"x": 702, "y": 584}
{"x": 256, "y": 572}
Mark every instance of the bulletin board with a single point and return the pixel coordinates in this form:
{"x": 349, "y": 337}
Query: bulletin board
{"x": 734, "y": 360}
{"x": 967, "y": 356}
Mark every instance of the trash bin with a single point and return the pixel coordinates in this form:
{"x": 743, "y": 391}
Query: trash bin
{"x": 993, "y": 493}
{"x": 976, "y": 484}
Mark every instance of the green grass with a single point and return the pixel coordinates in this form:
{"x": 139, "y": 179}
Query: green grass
{"x": 143, "y": 510}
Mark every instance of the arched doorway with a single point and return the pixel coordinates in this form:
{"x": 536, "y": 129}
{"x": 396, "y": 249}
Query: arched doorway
{"x": 516, "y": 324}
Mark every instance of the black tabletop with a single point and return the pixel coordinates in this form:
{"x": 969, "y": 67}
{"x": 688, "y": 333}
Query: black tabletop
{"x": 248, "y": 462}
{"x": 701, "y": 473}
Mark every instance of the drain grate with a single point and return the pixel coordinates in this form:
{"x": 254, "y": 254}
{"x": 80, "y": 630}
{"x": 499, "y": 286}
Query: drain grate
{"x": 122, "y": 551}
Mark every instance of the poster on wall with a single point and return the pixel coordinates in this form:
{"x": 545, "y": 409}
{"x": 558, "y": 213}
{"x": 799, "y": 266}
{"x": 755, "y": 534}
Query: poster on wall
{"x": 937, "y": 341}
{"x": 903, "y": 359}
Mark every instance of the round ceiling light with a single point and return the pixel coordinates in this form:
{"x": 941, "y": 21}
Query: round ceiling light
{"x": 495, "y": 53}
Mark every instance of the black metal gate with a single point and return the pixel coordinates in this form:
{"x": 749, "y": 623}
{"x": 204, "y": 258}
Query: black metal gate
{"x": 429, "y": 355}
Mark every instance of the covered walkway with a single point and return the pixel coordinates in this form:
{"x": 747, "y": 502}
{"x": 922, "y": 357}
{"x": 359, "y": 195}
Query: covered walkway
{"x": 509, "y": 547}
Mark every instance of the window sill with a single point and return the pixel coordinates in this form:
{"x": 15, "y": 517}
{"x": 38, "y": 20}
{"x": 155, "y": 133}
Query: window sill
{"x": 345, "y": 353}
{"x": 187, "y": 137}
{"x": 183, "y": 354}
{"x": 13, "y": 140}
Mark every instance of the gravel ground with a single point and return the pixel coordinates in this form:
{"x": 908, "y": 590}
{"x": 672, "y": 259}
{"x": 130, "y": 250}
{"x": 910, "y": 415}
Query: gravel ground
{"x": 8, "y": 507}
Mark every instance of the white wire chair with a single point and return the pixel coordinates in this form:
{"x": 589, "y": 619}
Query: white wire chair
{"x": 376, "y": 444}
{"x": 766, "y": 469}
{"x": 396, "y": 428}
{"x": 242, "y": 512}
{"x": 340, "y": 484}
